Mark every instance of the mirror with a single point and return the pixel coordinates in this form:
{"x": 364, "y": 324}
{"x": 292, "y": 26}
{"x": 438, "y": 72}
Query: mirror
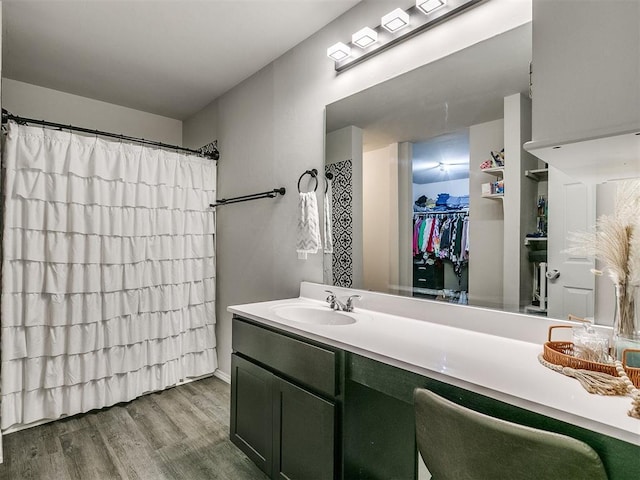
{"x": 434, "y": 196}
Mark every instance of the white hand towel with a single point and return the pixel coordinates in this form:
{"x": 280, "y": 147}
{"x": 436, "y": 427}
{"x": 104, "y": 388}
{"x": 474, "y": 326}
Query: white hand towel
{"x": 328, "y": 235}
{"x": 308, "y": 234}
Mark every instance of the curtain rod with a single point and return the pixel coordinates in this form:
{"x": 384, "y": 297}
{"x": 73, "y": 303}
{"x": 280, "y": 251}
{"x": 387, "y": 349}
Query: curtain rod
{"x": 253, "y": 196}
{"x": 214, "y": 154}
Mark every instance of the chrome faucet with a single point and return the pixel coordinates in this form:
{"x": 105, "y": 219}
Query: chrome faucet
{"x": 334, "y": 303}
{"x": 337, "y": 305}
{"x": 349, "y": 305}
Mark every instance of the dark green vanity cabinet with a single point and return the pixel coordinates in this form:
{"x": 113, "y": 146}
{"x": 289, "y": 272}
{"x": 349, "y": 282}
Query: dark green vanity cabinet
{"x": 252, "y": 411}
{"x": 303, "y": 410}
{"x": 379, "y": 426}
{"x": 285, "y": 403}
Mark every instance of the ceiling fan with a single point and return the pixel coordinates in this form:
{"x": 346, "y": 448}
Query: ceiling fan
{"x": 444, "y": 165}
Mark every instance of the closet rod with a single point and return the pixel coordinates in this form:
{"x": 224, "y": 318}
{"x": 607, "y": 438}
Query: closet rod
{"x": 6, "y": 116}
{"x": 253, "y": 196}
{"x": 444, "y": 212}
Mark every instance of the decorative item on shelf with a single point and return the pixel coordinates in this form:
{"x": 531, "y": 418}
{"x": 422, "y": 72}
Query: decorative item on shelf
{"x": 496, "y": 160}
{"x": 486, "y": 164}
{"x": 616, "y": 242}
{"x": 493, "y": 189}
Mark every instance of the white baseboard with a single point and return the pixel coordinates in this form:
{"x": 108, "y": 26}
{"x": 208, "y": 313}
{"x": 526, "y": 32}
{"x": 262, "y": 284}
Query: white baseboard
{"x": 222, "y": 376}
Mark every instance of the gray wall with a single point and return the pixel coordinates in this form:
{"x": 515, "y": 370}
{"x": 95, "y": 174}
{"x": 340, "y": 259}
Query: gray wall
{"x": 486, "y": 220}
{"x": 32, "y": 101}
{"x": 201, "y": 128}
{"x": 519, "y": 204}
{"x": 271, "y": 129}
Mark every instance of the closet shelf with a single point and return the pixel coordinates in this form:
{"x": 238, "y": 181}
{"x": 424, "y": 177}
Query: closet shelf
{"x": 539, "y": 174}
{"x": 494, "y": 196}
{"x": 498, "y": 171}
{"x": 528, "y": 240}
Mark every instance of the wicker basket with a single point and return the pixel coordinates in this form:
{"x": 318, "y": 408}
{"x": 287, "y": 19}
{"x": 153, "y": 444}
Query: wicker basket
{"x": 561, "y": 353}
{"x": 632, "y": 372}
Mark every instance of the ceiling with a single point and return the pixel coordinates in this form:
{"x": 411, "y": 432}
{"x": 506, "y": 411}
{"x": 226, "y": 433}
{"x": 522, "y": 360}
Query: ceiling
{"x": 442, "y": 158}
{"x": 168, "y": 57}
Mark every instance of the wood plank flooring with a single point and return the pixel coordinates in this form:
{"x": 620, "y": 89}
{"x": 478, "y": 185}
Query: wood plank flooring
{"x": 181, "y": 433}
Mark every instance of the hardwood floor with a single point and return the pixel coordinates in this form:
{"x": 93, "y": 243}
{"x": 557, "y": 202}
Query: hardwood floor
{"x": 181, "y": 433}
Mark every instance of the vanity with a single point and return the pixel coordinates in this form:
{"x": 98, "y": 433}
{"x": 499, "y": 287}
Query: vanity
{"x": 323, "y": 394}
{"x": 285, "y": 399}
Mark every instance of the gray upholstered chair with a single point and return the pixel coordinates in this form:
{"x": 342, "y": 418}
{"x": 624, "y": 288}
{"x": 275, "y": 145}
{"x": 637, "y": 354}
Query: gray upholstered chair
{"x": 460, "y": 444}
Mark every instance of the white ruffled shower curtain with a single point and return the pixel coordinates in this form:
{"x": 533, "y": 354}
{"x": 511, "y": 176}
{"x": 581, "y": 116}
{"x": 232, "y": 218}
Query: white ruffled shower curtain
{"x": 108, "y": 272}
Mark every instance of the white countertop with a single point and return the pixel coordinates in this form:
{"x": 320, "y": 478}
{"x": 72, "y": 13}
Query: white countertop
{"x": 475, "y": 358}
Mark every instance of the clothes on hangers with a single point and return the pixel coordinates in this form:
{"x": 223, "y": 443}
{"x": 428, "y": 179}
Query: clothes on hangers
{"x": 445, "y": 236}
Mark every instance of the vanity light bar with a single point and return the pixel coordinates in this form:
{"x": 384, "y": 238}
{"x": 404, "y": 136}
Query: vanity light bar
{"x": 338, "y": 51}
{"x": 395, "y": 27}
{"x": 364, "y": 38}
{"x": 429, "y": 6}
{"x": 395, "y": 20}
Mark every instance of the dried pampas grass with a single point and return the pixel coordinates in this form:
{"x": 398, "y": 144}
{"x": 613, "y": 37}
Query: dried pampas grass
{"x": 616, "y": 243}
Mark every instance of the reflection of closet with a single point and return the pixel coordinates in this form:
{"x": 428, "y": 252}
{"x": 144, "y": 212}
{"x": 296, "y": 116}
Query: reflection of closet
{"x": 440, "y": 193}
{"x": 440, "y": 252}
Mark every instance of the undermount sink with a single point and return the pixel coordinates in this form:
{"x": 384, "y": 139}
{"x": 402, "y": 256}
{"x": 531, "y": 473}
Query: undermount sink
{"x": 313, "y": 315}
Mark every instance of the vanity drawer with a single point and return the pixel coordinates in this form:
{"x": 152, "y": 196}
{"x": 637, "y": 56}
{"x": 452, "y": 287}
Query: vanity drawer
{"x": 308, "y": 364}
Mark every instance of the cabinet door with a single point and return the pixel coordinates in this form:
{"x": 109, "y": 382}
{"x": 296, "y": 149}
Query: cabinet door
{"x": 252, "y": 411}
{"x": 304, "y": 434}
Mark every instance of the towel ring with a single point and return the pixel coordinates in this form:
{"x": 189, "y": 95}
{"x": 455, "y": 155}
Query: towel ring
{"x": 327, "y": 177}
{"x": 314, "y": 174}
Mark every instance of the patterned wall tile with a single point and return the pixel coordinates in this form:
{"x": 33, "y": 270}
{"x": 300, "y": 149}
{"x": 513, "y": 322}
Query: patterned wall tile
{"x": 342, "y": 222}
